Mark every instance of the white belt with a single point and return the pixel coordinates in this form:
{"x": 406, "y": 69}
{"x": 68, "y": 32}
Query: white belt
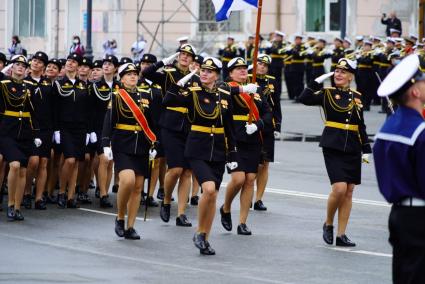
{"x": 411, "y": 202}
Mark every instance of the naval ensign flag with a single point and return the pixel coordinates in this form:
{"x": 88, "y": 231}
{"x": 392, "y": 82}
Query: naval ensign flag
{"x": 223, "y": 8}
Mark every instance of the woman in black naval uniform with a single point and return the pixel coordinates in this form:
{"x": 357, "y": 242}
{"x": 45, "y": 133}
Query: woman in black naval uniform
{"x": 17, "y": 129}
{"x": 132, "y": 147}
{"x": 343, "y": 141}
{"x": 249, "y": 142}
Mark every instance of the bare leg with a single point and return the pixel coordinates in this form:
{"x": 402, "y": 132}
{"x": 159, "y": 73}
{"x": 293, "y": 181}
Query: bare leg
{"x": 246, "y": 197}
{"x": 171, "y": 178}
{"x": 335, "y": 199}
{"x": 102, "y": 174}
{"x": 195, "y": 186}
{"x": 126, "y": 185}
{"x": 262, "y": 178}
{"x": 183, "y": 191}
{"x": 13, "y": 183}
{"x": 162, "y": 171}
{"x": 206, "y": 207}
{"x": 41, "y": 179}
{"x": 233, "y": 187}
{"x": 68, "y": 176}
{"x": 31, "y": 172}
{"x": 344, "y": 210}
{"x": 154, "y": 177}
{"x": 21, "y": 187}
{"x": 134, "y": 201}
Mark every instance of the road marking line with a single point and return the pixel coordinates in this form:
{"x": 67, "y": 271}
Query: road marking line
{"x": 108, "y": 213}
{"x": 140, "y": 260}
{"x": 319, "y": 196}
{"x": 360, "y": 251}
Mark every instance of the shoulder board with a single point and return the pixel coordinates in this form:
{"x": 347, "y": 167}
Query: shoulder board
{"x": 156, "y": 86}
{"x": 169, "y": 69}
{"x": 195, "y": 89}
{"x": 224, "y": 91}
{"x": 6, "y": 81}
{"x": 270, "y": 77}
{"x": 144, "y": 90}
{"x": 356, "y": 92}
{"x": 28, "y": 82}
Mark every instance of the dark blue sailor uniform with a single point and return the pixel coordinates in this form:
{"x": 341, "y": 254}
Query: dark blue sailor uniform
{"x": 399, "y": 155}
{"x": 344, "y": 137}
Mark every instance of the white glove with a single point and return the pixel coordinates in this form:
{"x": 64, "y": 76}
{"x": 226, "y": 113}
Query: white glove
{"x": 250, "y": 128}
{"x": 323, "y": 77}
{"x": 37, "y": 142}
{"x": 365, "y": 158}
{"x": 108, "y": 153}
{"x": 93, "y": 137}
{"x": 57, "y": 136}
{"x": 241, "y": 45}
{"x": 250, "y": 88}
{"x": 87, "y": 139}
{"x": 152, "y": 154}
{"x": 276, "y": 135}
{"x": 170, "y": 59}
{"x": 186, "y": 78}
{"x": 232, "y": 165}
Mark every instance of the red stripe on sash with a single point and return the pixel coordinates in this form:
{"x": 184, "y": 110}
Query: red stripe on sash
{"x": 249, "y": 102}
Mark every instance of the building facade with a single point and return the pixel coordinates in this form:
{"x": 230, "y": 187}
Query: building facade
{"x": 50, "y": 24}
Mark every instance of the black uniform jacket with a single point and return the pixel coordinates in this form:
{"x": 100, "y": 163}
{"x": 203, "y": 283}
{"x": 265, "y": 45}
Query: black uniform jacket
{"x": 240, "y": 109}
{"x": 42, "y": 101}
{"x": 131, "y": 141}
{"x": 211, "y": 109}
{"x": 15, "y": 97}
{"x": 298, "y": 58}
{"x": 156, "y": 97}
{"x": 340, "y": 106}
{"x": 337, "y": 54}
{"x": 72, "y": 105}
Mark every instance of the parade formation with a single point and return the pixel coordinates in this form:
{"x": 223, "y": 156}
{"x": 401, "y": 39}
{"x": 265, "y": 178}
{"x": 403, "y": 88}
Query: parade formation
{"x": 71, "y": 124}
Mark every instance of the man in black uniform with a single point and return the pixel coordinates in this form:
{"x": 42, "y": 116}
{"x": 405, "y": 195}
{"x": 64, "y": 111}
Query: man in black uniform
{"x": 226, "y": 54}
{"x": 277, "y": 55}
{"x": 297, "y": 66}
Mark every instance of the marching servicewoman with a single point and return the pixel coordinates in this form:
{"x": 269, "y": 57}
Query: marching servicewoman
{"x": 249, "y": 141}
{"x": 174, "y": 125}
{"x": 72, "y": 121}
{"x": 399, "y": 152}
{"x": 343, "y": 141}
{"x": 133, "y": 141}
{"x": 42, "y": 102}
{"x": 18, "y": 127}
{"x": 101, "y": 92}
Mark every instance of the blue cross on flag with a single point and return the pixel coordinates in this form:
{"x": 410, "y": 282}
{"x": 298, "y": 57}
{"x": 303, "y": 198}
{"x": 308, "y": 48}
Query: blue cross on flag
{"x": 223, "y": 8}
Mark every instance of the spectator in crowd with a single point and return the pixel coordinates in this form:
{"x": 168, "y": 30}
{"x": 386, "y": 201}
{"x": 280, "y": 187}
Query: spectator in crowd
{"x": 110, "y": 47}
{"x": 76, "y": 46}
{"x": 392, "y": 22}
{"x": 138, "y": 48}
{"x": 16, "y": 47}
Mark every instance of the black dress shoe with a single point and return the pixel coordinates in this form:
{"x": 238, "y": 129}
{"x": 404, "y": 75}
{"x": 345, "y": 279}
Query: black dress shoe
{"x": 131, "y": 234}
{"x": 61, "y": 200}
{"x": 151, "y": 202}
{"x": 199, "y": 240}
{"x": 40, "y": 205}
{"x": 26, "y": 201}
{"x": 244, "y": 230}
{"x": 164, "y": 213}
{"x": 194, "y": 200}
{"x": 72, "y": 204}
{"x": 87, "y": 199}
{"x": 51, "y": 199}
{"x": 344, "y": 241}
{"x": 11, "y": 213}
{"x": 119, "y": 227}
{"x": 259, "y": 206}
{"x": 91, "y": 185}
{"x": 182, "y": 221}
{"x": 208, "y": 250}
{"x": 19, "y": 216}
{"x": 97, "y": 192}
{"x": 160, "y": 194}
{"x": 105, "y": 203}
{"x": 226, "y": 219}
{"x": 115, "y": 188}
{"x": 328, "y": 234}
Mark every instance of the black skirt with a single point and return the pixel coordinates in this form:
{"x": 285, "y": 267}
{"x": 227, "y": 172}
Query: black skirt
{"x": 208, "y": 171}
{"x": 268, "y": 146}
{"x": 14, "y": 150}
{"x": 342, "y": 166}
{"x": 73, "y": 143}
{"x": 137, "y": 163}
{"x": 45, "y": 148}
{"x": 248, "y": 158}
{"x": 174, "y": 144}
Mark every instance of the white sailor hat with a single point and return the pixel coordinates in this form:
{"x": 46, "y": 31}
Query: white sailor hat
{"x": 279, "y": 33}
{"x": 321, "y": 39}
{"x": 375, "y": 38}
{"x": 347, "y": 40}
{"x": 127, "y": 68}
{"x": 390, "y": 39}
{"x": 403, "y": 75}
{"x": 298, "y": 36}
{"x": 183, "y": 38}
{"x": 398, "y": 39}
{"x": 188, "y": 49}
{"x": 395, "y": 31}
{"x": 212, "y": 63}
{"x": 410, "y": 39}
{"x": 338, "y": 39}
{"x": 366, "y": 41}
{"x": 265, "y": 58}
{"x": 413, "y": 36}
{"x": 236, "y": 62}
{"x": 347, "y": 64}
{"x": 19, "y": 58}
{"x": 359, "y": 38}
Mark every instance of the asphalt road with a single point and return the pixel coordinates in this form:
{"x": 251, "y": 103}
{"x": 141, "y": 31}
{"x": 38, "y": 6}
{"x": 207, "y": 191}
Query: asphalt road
{"x": 80, "y": 246}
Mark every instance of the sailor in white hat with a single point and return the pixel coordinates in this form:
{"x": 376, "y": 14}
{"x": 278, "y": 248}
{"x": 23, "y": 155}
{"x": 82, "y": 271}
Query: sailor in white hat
{"x": 399, "y": 155}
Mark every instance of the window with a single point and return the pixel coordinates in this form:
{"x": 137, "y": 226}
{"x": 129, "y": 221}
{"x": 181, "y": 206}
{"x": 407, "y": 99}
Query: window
{"x": 322, "y": 15}
{"x": 29, "y": 18}
{"x": 207, "y": 13}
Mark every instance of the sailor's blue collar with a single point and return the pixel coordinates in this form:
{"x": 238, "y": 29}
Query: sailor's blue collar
{"x": 404, "y": 126}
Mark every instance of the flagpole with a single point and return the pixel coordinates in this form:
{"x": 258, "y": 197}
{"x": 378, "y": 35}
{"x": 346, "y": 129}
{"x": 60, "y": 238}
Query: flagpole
{"x": 254, "y": 59}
